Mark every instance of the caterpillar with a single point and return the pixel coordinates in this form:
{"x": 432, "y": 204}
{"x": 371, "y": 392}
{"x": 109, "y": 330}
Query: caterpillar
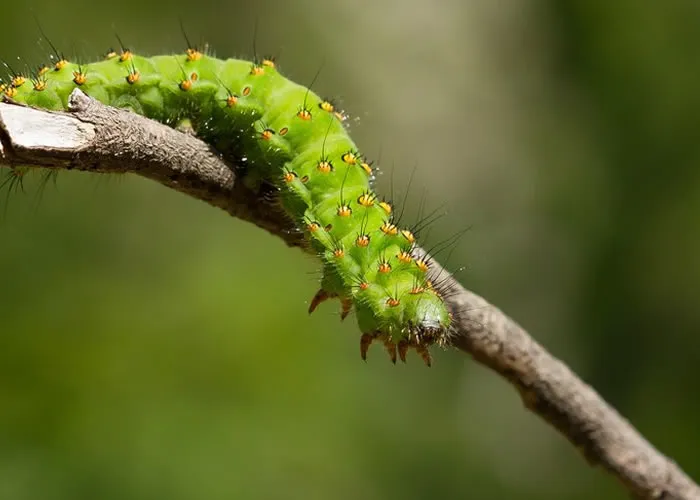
{"x": 283, "y": 135}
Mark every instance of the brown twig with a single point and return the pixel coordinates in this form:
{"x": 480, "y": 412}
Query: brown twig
{"x": 96, "y": 138}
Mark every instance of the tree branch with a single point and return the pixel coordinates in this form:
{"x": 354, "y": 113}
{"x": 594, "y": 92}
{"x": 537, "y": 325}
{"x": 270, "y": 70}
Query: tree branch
{"x": 96, "y": 138}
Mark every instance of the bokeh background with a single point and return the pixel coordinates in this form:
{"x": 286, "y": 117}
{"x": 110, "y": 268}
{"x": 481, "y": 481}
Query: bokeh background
{"x": 153, "y": 347}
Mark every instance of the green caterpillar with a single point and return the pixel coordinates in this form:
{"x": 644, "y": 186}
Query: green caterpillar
{"x": 286, "y": 136}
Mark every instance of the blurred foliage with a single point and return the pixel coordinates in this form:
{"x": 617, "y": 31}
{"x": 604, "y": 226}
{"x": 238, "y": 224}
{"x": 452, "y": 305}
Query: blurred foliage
{"x": 152, "y": 347}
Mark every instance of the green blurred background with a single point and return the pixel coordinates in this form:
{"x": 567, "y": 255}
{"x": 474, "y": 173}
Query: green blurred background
{"x": 153, "y": 347}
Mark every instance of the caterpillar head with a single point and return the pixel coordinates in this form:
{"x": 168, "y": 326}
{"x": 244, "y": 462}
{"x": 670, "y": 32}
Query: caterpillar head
{"x": 415, "y": 319}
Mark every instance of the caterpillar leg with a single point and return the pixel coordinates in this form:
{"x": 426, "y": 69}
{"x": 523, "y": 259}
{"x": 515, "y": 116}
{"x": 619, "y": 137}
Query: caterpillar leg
{"x": 422, "y": 350}
{"x": 322, "y": 296}
{"x": 393, "y": 349}
{"x": 390, "y": 348}
{"x": 347, "y": 307}
{"x": 365, "y": 341}
{"x": 403, "y": 349}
